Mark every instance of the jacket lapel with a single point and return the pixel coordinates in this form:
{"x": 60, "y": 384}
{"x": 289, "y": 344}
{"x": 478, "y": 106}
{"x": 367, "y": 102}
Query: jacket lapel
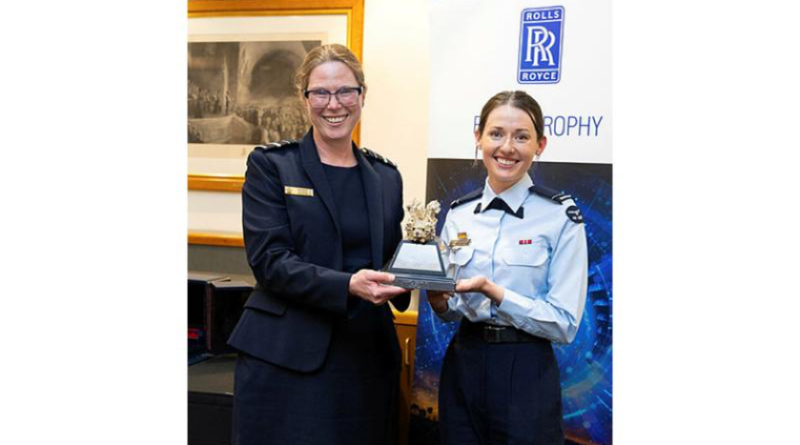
{"x": 313, "y": 168}
{"x": 373, "y": 190}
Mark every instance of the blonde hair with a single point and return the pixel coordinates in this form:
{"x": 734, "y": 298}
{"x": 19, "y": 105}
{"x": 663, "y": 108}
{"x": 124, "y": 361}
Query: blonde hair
{"x": 328, "y": 53}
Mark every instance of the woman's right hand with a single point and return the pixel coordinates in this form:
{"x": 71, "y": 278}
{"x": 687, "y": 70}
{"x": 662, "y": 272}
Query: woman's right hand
{"x": 438, "y": 300}
{"x": 374, "y": 286}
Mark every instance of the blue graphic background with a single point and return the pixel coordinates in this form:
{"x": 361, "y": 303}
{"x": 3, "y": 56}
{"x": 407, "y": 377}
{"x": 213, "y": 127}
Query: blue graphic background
{"x": 586, "y": 363}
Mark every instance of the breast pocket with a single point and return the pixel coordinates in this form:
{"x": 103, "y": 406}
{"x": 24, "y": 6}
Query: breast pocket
{"x": 524, "y": 269}
{"x": 528, "y": 256}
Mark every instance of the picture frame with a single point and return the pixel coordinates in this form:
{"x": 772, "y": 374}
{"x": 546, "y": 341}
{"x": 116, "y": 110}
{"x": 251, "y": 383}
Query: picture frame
{"x": 221, "y": 167}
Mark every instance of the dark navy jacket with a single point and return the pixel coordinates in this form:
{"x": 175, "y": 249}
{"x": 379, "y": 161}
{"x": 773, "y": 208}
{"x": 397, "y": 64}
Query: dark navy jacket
{"x": 293, "y": 245}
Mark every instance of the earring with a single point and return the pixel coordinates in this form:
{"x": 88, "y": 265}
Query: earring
{"x": 475, "y": 161}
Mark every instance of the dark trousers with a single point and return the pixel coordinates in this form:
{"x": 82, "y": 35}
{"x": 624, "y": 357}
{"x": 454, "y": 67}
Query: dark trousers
{"x": 499, "y": 393}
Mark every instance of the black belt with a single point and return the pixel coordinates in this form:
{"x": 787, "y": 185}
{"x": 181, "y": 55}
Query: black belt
{"x": 496, "y": 334}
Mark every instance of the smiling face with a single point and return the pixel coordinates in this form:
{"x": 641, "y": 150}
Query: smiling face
{"x": 509, "y": 143}
{"x": 334, "y": 123}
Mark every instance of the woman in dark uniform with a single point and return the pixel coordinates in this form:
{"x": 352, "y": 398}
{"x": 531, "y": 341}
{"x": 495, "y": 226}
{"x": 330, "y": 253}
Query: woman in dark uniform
{"x": 522, "y": 258}
{"x": 319, "y": 358}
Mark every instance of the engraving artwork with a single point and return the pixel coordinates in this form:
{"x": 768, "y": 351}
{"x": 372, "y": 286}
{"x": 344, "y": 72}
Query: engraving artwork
{"x": 243, "y": 92}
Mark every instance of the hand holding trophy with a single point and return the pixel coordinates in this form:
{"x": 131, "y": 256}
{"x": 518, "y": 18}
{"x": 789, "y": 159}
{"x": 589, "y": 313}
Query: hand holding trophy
{"x": 421, "y": 261}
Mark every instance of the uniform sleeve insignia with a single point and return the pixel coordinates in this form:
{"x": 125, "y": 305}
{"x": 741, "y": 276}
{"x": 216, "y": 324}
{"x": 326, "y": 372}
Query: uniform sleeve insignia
{"x": 561, "y": 197}
{"x": 371, "y": 154}
{"x": 574, "y": 214}
{"x": 283, "y": 143}
{"x": 471, "y": 196}
{"x": 550, "y": 194}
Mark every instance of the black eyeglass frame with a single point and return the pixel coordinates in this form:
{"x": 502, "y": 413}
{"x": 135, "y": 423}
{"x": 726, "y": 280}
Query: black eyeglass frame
{"x": 336, "y": 93}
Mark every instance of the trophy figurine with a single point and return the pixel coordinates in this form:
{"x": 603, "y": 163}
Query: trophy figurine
{"x": 421, "y": 260}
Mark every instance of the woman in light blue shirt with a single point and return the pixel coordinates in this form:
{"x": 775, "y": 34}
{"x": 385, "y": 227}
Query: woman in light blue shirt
{"x": 521, "y": 255}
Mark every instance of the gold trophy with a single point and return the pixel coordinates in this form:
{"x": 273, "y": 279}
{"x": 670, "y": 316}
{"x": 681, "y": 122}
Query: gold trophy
{"x": 421, "y": 261}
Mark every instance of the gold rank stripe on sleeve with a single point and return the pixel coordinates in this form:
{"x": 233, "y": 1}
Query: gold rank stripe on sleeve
{"x": 298, "y": 191}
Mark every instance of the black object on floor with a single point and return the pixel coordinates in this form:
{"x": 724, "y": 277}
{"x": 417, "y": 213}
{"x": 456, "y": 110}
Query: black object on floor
{"x": 210, "y": 386}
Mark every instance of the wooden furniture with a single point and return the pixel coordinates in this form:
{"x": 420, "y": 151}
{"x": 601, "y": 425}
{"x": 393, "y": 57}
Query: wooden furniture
{"x": 406, "y": 326}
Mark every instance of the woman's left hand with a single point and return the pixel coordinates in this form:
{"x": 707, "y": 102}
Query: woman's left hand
{"x": 374, "y": 286}
{"x": 483, "y": 285}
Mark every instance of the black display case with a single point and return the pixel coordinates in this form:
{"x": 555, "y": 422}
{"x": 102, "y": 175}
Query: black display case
{"x": 224, "y": 304}
{"x": 215, "y": 304}
{"x": 199, "y": 289}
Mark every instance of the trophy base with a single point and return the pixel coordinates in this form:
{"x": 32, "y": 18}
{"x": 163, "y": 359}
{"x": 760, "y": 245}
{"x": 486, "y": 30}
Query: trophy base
{"x": 426, "y": 283}
{"x": 421, "y": 266}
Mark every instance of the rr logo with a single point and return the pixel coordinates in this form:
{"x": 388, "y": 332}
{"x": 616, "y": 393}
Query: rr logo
{"x": 540, "y": 45}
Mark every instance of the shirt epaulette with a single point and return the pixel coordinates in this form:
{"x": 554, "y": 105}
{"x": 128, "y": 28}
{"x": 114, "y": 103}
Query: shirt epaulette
{"x": 550, "y": 194}
{"x": 283, "y": 143}
{"x": 371, "y": 154}
{"x": 573, "y": 212}
{"x": 471, "y": 196}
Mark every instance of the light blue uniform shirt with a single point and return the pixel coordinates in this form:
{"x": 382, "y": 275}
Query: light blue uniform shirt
{"x": 541, "y": 260}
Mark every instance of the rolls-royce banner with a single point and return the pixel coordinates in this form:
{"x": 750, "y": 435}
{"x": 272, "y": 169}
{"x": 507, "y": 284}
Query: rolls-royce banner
{"x": 560, "y": 53}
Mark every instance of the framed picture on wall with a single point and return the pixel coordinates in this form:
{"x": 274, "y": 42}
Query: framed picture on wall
{"x": 242, "y": 57}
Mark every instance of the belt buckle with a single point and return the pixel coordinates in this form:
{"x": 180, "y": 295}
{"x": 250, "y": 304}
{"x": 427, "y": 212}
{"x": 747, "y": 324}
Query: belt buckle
{"x": 491, "y": 334}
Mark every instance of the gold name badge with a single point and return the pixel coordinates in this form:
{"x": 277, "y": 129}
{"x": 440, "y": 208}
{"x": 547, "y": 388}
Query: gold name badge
{"x": 298, "y": 191}
{"x": 461, "y": 241}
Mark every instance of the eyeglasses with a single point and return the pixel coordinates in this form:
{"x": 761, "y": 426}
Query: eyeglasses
{"x": 346, "y": 96}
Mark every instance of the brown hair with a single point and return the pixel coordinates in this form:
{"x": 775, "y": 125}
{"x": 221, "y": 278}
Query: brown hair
{"x": 517, "y": 99}
{"x": 328, "y": 53}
